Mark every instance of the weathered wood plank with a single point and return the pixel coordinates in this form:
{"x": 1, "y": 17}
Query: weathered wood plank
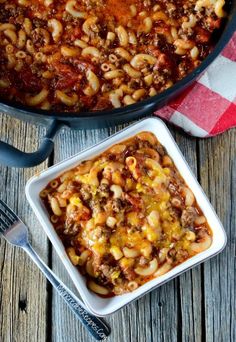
{"x": 218, "y": 178}
{"x": 190, "y": 290}
{"x": 23, "y": 294}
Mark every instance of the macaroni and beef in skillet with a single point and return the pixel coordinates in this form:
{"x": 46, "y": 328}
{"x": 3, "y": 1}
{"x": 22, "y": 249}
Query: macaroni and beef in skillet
{"x": 126, "y": 216}
{"x": 89, "y": 55}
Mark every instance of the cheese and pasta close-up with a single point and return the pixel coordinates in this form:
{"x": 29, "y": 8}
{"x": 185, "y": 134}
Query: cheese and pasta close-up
{"x": 93, "y": 55}
{"x": 126, "y": 216}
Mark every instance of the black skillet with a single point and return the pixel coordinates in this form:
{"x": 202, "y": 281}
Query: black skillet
{"x": 10, "y": 156}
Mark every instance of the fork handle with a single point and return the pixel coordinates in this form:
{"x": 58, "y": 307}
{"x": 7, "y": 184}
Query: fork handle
{"x": 97, "y": 328}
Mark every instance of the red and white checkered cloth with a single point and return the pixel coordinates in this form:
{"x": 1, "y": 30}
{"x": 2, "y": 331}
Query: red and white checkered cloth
{"x": 208, "y": 107}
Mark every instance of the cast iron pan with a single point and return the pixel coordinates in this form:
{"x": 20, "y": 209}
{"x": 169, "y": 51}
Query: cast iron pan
{"x": 10, "y": 156}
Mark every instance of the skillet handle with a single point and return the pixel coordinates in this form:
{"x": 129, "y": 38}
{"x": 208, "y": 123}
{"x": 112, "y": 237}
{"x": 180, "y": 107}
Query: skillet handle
{"x": 11, "y": 156}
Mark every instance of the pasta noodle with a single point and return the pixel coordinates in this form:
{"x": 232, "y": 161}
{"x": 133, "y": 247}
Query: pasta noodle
{"x": 66, "y": 99}
{"x": 126, "y": 216}
{"x": 37, "y": 99}
{"x": 70, "y": 8}
{"x": 103, "y": 55}
{"x": 57, "y": 29}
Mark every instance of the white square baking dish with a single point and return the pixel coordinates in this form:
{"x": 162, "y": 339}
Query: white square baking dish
{"x": 104, "y": 306}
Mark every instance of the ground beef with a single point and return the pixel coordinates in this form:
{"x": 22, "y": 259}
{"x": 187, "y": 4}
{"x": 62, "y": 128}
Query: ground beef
{"x": 72, "y": 186}
{"x": 171, "y": 255}
{"x": 4, "y": 15}
{"x": 172, "y": 188}
{"x": 117, "y": 205}
{"x": 85, "y": 192}
{"x": 144, "y": 144}
{"x": 106, "y": 232}
{"x": 10, "y": 12}
{"x": 175, "y": 213}
{"x": 97, "y": 261}
{"x": 181, "y": 255}
{"x": 201, "y": 233}
{"x": 71, "y": 228}
{"x": 97, "y": 233}
{"x": 39, "y": 22}
{"x": 107, "y": 270}
{"x": 37, "y": 38}
{"x": 130, "y": 150}
{"x": 188, "y": 217}
{"x": 161, "y": 150}
{"x": 133, "y": 230}
{"x": 95, "y": 206}
{"x": 177, "y": 202}
{"x": 143, "y": 261}
{"x": 104, "y": 190}
{"x": 129, "y": 273}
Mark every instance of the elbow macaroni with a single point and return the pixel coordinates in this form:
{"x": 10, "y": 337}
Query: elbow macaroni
{"x": 87, "y": 61}
{"x": 120, "y": 229}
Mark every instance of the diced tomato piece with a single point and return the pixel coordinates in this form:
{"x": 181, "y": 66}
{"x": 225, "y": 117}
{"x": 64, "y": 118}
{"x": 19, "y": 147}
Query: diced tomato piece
{"x": 163, "y": 62}
{"x": 203, "y": 36}
{"x": 68, "y": 76}
{"x": 153, "y": 50}
{"x": 76, "y": 33}
{"x": 64, "y": 69}
{"x": 102, "y": 104}
{"x": 135, "y": 201}
{"x": 26, "y": 81}
{"x": 83, "y": 66}
{"x": 214, "y": 23}
{"x": 66, "y": 82}
{"x": 86, "y": 101}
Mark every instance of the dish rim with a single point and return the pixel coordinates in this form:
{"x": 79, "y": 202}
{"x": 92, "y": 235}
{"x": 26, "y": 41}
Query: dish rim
{"x": 41, "y": 213}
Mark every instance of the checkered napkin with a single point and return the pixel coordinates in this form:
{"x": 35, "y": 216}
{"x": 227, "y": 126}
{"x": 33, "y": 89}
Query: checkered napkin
{"x": 208, "y": 107}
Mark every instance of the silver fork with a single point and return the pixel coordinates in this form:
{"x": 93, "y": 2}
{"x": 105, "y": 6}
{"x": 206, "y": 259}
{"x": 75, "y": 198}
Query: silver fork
{"x": 16, "y": 233}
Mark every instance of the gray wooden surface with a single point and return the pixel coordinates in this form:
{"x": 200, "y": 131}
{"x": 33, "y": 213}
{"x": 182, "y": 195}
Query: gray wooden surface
{"x": 199, "y": 305}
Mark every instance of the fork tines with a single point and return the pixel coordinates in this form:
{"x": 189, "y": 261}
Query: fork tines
{"x": 7, "y": 216}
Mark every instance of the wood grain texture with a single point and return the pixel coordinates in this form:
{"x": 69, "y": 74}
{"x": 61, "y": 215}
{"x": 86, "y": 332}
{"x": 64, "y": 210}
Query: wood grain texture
{"x": 198, "y": 306}
{"x": 190, "y": 290}
{"x": 217, "y": 159}
{"x": 23, "y": 294}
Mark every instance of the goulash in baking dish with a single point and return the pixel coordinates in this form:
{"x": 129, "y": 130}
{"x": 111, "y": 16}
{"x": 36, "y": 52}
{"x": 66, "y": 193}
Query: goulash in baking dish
{"x": 126, "y": 216}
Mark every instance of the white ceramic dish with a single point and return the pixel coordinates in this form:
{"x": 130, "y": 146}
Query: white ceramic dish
{"x": 104, "y": 306}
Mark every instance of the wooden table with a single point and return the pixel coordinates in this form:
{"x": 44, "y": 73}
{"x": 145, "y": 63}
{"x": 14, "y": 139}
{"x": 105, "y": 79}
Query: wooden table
{"x": 197, "y": 306}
